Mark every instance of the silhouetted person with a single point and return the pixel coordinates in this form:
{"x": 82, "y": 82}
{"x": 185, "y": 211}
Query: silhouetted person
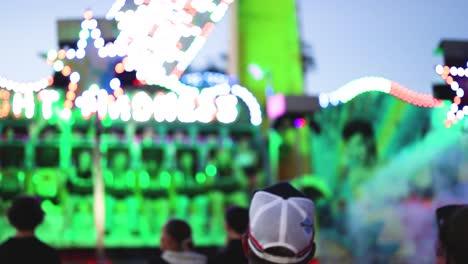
{"x": 25, "y": 215}
{"x": 236, "y": 224}
{"x": 177, "y": 246}
{"x": 453, "y": 234}
{"x": 281, "y": 227}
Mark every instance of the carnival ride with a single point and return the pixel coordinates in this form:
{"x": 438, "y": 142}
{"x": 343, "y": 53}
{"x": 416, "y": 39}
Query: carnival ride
{"x": 157, "y": 146}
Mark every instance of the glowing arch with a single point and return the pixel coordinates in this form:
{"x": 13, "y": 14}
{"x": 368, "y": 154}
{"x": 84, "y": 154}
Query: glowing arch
{"x": 377, "y": 84}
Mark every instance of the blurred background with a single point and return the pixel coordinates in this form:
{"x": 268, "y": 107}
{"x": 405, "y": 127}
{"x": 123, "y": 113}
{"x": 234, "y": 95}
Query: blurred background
{"x": 122, "y": 114}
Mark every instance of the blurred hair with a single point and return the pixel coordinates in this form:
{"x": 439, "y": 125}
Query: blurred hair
{"x": 237, "y": 218}
{"x": 180, "y": 232}
{"x": 26, "y": 213}
{"x": 361, "y": 127}
{"x": 365, "y": 129}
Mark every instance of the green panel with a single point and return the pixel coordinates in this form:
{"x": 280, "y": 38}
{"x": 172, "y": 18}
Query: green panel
{"x": 269, "y": 38}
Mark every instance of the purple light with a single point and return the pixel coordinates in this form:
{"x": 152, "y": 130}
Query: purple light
{"x": 300, "y": 122}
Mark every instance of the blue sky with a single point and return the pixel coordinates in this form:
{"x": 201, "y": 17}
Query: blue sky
{"x": 350, "y": 39}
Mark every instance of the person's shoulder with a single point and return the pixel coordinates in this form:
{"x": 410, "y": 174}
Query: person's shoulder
{"x": 228, "y": 256}
{"x": 45, "y": 245}
{"x": 30, "y": 249}
{"x": 219, "y": 258}
{"x": 5, "y": 242}
{"x": 50, "y": 251}
{"x": 4, "y": 245}
{"x": 157, "y": 260}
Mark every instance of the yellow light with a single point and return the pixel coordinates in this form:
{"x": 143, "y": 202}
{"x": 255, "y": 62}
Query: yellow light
{"x": 66, "y": 71}
{"x": 88, "y": 14}
{"x": 119, "y": 68}
{"x": 72, "y": 86}
{"x": 118, "y": 92}
{"x": 71, "y": 95}
{"x": 68, "y": 104}
{"x": 61, "y": 54}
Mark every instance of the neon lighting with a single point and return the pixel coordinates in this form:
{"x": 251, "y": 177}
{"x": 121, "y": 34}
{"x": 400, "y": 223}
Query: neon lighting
{"x": 165, "y": 179}
{"x": 114, "y": 83}
{"x": 413, "y": 97}
{"x": 163, "y": 107}
{"x": 206, "y": 110}
{"x": 71, "y": 53}
{"x": 211, "y": 170}
{"x": 95, "y": 33}
{"x": 142, "y": 107}
{"x": 171, "y": 31}
{"x": 51, "y": 54}
{"x": 65, "y": 114}
{"x": 368, "y": 84}
{"x": 5, "y": 106}
{"x": 439, "y": 69}
{"x": 169, "y": 107}
{"x": 300, "y": 122}
{"x": 61, "y": 54}
{"x": 219, "y": 102}
{"x": 227, "y": 111}
{"x": 80, "y": 53}
{"x": 120, "y": 108}
{"x": 200, "y": 178}
{"x": 58, "y": 66}
{"x": 23, "y": 101}
{"x": 159, "y": 103}
{"x": 187, "y": 102}
{"x": 161, "y": 38}
{"x": 276, "y": 106}
{"x": 448, "y": 74}
{"x": 102, "y": 97}
{"x": 119, "y": 68}
{"x": 25, "y": 87}
{"x": 99, "y": 43}
{"x": 75, "y": 77}
{"x": 48, "y": 97}
{"x": 354, "y": 88}
{"x": 115, "y": 9}
{"x": 89, "y": 32}
{"x": 66, "y": 71}
{"x": 204, "y": 79}
{"x": 252, "y": 104}
{"x": 186, "y": 109}
{"x": 184, "y": 96}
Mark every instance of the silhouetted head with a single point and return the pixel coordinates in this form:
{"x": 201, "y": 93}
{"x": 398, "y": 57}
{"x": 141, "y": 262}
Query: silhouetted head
{"x": 360, "y": 142}
{"x": 176, "y": 236}
{"x": 457, "y": 237}
{"x": 237, "y": 221}
{"x": 25, "y": 214}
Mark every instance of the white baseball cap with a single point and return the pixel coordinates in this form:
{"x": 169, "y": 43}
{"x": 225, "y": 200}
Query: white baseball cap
{"x": 280, "y": 216}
